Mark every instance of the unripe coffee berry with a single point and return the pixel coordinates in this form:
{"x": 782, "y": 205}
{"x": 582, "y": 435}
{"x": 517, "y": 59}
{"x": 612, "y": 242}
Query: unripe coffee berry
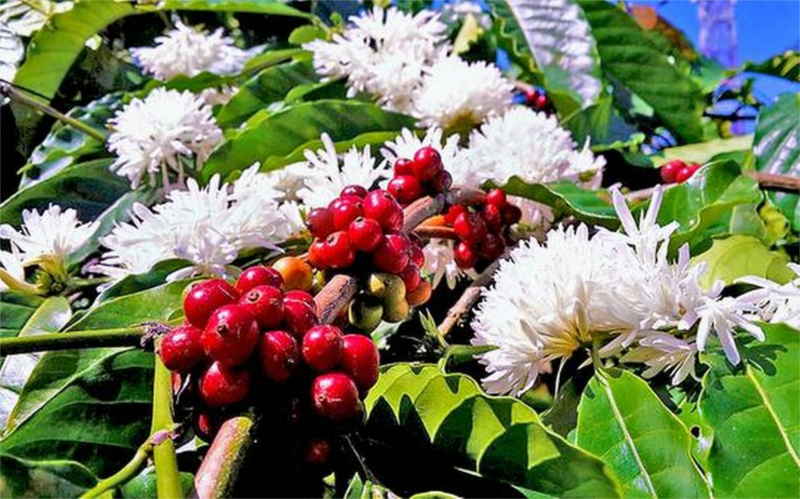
{"x": 205, "y": 297}
{"x": 220, "y": 385}
{"x": 181, "y": 348}
{"x": 322, "y": 347}
{"x": 295, "y": 272}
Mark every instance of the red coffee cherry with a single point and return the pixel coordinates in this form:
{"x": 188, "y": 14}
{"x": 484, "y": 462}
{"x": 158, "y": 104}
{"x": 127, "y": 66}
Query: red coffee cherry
{"x": 360, "y": 359}
{"x": 344, "y": 212}
{"x": 464, "y": 255}
{"x": 354, "y": 190}
{"x": 411, "y": 277}
{"x": 231, "y": 335}
{"x": 258, "y": 275}
{"x": 320, "y": 222}
{"x": 205, "y": 297}
{"x": 669, "y": 170}
{"x": 403, "y": 167}
{"x": 181, "y": 348}
{"x": 300, "y": 295}
{"x": 299, "y": 317}
{"x": 427, "y": 164}
{"x": 405, "y": 188}
{"x": 278, "y": 355}
{"x": 322, "y": 347}
{"x": 265, "y": 303}
{"x": 220, "y": 385}
{"x": 334, "y": 396}
{"x": 496, "y": 197}
{"x": 384, "y": 208}
{"x": 392, "y": 254}
{"x": 365, "y": 234}
{"x": 338, "y": 252}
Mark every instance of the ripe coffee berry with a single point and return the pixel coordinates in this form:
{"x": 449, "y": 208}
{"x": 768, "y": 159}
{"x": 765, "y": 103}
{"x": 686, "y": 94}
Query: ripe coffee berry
{"x": 442, "y": 182}
{"x": 206, "y": 425}
{"x": 220, "y": 385}
{"x": 493, "y": 217}
{"x": 334, "y": 396}
{"x": 278, "y": 355}
{"x": 344, "y": 212}
{"x": 303, "y": 296}
{"x": 258, "y": 275}
{"x": 365, "y": 234}
{"x": 338, "y": 253}
{"x": 322, "y": 347}
{"x": 405, "y": 188}
{"x": 511, "y": 214}
{"x": 354, "y": 190}
{"x": 318, "y": 452}
{"x": 265, "y": 303}
{"x": 491, "y": 247}
{"x": 427, "y": 164}
{"x": 416, "y": 255}
{"x": 464, "y": 255}
{"x": 360, "y": 360}
{"x": 299, "y": 317}
{"x": 392, "y": 254}
{"x": 384, "y": 208}
{"x": 453, "y": 212}
{"x": 181, "y": 348}
{"x": 317, "y": 254}
{"x": 231, "y": 335}
{"x": 403, "y": 167}
{"x": 470, "y": 227}
{"x": 205, "y": 297}
{"x": 496, "y": 197}
{"x": 686, "y": 172}
{"x": 320, "y": 222}
{"x": 411, "y": 277}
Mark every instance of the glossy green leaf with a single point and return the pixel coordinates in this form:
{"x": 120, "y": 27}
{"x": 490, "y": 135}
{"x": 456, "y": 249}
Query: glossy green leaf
{"x": 777, "y": 149}
{"x": 90, "y": 188}
{"x": 268, "y": 86}
{"x": 498, "y": 437}
{"x": 703, "y": 152}
{"x": 785, "y": 65}
{"x": 282, "y": 132}
{"x": 65, "y": 145}
{"x": 305, "y": 34}
{"x": 49, "y": 317}
{"x": 59, "y": 371}
{"x": 15, "y": 311}
{"x": 754, "y": 409}
{"x": 557, "y": 37}
{"x": 738, "y": 256}
{"x": 632, "y": 58}
{"x": 622, "y": 421}
{"x": 567, "y": 199}
{"x": 55, "y": 478}
{"x": 702, "y": 206}
{"x": 603, "y": 125}
{"x": 134, "y": 283}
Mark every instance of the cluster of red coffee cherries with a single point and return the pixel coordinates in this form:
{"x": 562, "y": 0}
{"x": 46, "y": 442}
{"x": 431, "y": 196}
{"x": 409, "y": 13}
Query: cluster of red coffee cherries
{"x": 482, "y": 229}
{"x": 677, "y": 171}
{"x": 362, "y": 230}
{"x": 536, "y": 98}
{"x": 418, "y": 177}
{"x": 241, "y": 341}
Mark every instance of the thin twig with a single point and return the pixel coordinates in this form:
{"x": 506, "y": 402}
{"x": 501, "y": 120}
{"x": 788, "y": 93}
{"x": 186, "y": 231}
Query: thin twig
{"x": 8, "y": 89}
{"x": 470, "y": 296}
{"x": 435, "y": 232}
{"x": 424, "y": 208}
{"x": 777, "y": 182}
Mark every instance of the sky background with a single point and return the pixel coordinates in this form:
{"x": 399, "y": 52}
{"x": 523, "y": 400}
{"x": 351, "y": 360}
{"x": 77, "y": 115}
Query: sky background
{"x": 764, "y": 28}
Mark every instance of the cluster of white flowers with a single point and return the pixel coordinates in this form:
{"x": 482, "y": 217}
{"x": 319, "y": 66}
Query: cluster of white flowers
{"x": 159, "y": 133}
{"x": 776, "y": 302}
{"x": 550, "y": 299}
{"x": 189, "y": 51}
{"x": 404, "y": 60}
{"x": 45, "y": 239}
{"x": 208, "y": 227}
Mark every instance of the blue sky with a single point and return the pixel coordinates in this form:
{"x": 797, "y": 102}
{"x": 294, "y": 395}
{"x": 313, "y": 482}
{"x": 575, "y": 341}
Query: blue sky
{"x": 764, "y": 28}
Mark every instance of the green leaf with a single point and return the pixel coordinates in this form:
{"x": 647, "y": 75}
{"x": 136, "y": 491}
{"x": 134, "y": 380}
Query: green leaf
{"x": 623, "y": 422}
{"x": 56, "y": 478}
{"x": 49, "y": 317}
{"x": 753, "y": 409}
{"x": 557, "y": 36}
{"x": 134, "y": 283}
{"x": 15, "y": 311}
{"x": 280, "y": 133}
{"x": 65, "y": 145}
{"x": 777, "y": 149}
{"x": 566, "y": 198}
{"x": 603, "y": 125}
{"x": 702, "y": 206}
{"x": 498, "y": 437}
{"x": 305, "y": 34}
{"x": 90, "y": 188}
{"x": 143, "y": 485}
{"x": 271, "y": 57}
{"x": 738, "y": 256}
{"x": 58, "y": 371}
{"x": 785, "y": 65}
{"x": 268, "y": 86}
{"x": 632, "y": 58}
{"x": 269, "y": 7}
{"x": 703, "y": 152}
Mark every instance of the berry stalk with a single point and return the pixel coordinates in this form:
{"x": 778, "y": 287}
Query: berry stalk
{"x": 168, "y": 485}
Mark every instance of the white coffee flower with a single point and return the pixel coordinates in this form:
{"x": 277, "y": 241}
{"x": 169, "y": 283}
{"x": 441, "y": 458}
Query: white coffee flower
{"x": 325, "y": 173}
{"x": 776, "y": 302}
{"x": 52, "y": 233}
{"x": 12, "y": 269}
{"x": 408, "y": 143}
{"x": 665, "y": 352}
{"x": 456, "y": 95}
{"x": 160, "y": 134}
{"x": 207, "y": 226}
{"x": 189, "y": 51}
